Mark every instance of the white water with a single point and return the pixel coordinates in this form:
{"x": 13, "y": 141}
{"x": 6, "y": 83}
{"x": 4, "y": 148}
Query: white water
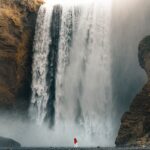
{"x": 83, "y": 87}
{"x": 83, "y": 79}
{"x": 85, "y": 104}
{"x": 40, "y": 62}
{"x": 63, "y": 57}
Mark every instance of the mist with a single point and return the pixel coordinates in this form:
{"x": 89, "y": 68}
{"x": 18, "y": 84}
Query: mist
{"x": 130, "y": 24}
{"x": 29, "y": 134}
{"x": 98, "y": 98}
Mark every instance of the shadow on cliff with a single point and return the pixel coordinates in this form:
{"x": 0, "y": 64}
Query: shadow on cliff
{"x": 17, "y": 25}
{"x": 135, "y": 124}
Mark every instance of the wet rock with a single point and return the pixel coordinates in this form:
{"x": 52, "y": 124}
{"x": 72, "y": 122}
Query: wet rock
{"x": 135, "y": 124}
{"x": 7, "y": 142}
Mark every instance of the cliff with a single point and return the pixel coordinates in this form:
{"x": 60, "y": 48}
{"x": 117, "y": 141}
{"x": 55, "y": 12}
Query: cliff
{"x": 135, "y": 124}
{"x": 17, "y": 24}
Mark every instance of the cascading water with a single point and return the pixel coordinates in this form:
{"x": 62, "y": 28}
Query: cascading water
{"x": 83, "y": 78}
{"x": 82, "y": 81}
{"x": 40, "y": 64}
{"x": 83, "y": 85}
{"x": 78, "y": 82}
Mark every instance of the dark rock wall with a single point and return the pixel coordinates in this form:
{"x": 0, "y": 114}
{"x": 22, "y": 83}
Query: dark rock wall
{"x": 7, "y": 142}
{"x": 135, "y": 124}
{"x": 17, "y": 24}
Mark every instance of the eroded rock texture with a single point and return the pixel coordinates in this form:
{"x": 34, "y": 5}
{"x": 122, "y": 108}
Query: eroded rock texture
{"x": 17, "y": 24}
{"x": 135, "y": 124}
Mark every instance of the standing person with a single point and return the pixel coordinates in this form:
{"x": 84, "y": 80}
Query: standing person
{"x": 75, "y": 142}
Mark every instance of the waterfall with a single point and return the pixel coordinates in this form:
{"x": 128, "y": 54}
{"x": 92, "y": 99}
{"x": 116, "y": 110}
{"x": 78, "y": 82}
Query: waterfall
{"x": 83, "y": 92}
{"x": 85, "y": 73}
{"x": 83, "y": 85}
{"x": 84, "y": 69}
{"x": 63, "y": 56}
{"x": 40, "y": 63}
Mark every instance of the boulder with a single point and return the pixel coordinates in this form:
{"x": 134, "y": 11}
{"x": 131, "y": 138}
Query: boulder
{"x": 7, "y": 142}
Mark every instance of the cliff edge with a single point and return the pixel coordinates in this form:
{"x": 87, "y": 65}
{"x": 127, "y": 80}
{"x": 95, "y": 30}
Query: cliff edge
{"x": 17, "y": 25}
{"x": 135, "y": 124}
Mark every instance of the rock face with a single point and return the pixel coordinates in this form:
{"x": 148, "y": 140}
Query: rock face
{"x": 5, "y": 142}
{"x": 135, "y": 124}
{"x": 17, "y": 24}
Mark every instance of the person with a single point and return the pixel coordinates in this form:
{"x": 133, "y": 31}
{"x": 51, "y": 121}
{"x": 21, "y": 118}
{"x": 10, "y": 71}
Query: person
{"x": 75, "y": 142}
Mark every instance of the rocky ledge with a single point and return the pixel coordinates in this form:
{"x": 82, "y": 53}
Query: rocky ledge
{"x": 135, "y": 124}
{"x": 17, "y": 24}
{"x": 7, "y": 142}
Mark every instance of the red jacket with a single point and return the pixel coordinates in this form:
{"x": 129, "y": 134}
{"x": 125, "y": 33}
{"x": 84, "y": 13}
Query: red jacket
{"x": 75, "y": 141}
